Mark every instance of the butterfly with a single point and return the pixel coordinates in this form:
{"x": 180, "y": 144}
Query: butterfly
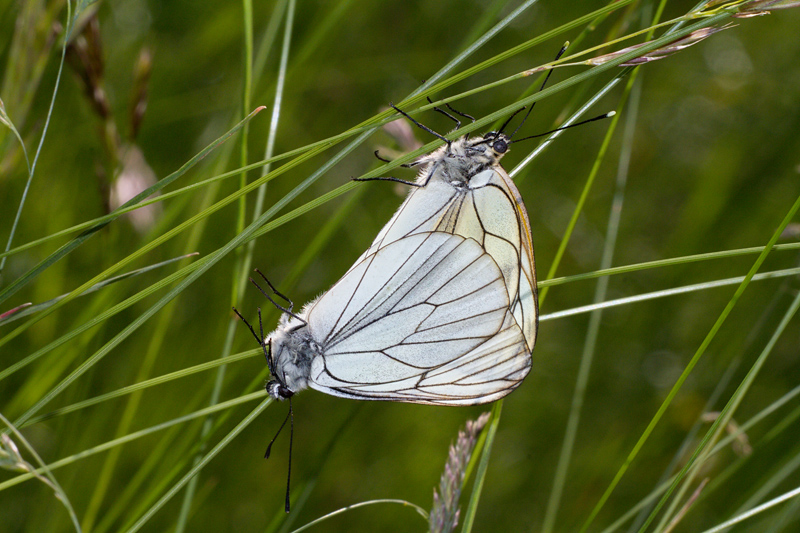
{"x": 424, "y": 319}
{"x": 462, "y": 189}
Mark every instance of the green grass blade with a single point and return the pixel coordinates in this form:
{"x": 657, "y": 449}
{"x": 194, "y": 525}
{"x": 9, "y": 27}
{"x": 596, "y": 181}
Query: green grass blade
{"x": 67, "y": 248}
{"x": 698, "y": 354}
{"x": 207, "y": 458}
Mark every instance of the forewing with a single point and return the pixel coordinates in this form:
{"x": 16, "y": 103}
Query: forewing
{"x": 425, "y": 209}
{"x": 424, "y": 319}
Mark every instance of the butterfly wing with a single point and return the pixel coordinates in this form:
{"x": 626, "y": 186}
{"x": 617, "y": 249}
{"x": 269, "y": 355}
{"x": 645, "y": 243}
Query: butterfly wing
{"x": 525, "y": 304}
{"x": 424, "y": 319}
{"x": 492, "y": 213}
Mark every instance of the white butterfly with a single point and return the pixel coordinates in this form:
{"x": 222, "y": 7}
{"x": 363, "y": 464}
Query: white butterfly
{"x": 425, "y": 319}
{"x": 463, "y": 190}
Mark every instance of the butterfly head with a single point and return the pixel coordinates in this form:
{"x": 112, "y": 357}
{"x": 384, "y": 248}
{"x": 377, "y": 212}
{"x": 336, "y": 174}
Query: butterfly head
{"x": 489, "y": 149}
{"x": 278, "y": 390}
{"x": 291, "y": 350}
{"x": 498, "y": 142}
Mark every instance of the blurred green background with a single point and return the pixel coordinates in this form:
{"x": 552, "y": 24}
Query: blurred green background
{"x": 714, "y": 166}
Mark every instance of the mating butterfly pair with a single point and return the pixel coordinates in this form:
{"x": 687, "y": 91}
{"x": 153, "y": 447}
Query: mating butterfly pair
{"x": 440, "y": 309}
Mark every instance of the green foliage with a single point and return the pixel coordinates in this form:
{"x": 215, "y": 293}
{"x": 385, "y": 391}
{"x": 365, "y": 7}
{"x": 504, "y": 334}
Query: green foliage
{"x": 143, "y": 395}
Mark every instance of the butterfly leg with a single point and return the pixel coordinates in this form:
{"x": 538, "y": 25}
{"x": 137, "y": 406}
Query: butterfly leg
{"x": 259, "y": 339}
{"x": 404, "y": 165}
{"x": 448, "y": 115}
{"x": 389, "y": 178}
{"x": 287, "y": 310}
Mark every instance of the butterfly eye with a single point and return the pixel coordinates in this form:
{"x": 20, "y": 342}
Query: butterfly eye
{"x": 500, "y": 146}
{"x": 278, "y": 390}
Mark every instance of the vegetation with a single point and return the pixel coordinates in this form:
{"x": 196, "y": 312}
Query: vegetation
{"x": 136, "y": 401}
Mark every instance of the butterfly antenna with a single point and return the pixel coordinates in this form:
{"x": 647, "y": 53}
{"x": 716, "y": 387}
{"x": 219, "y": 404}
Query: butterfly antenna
{"x": 267, "y": 354}
{"x": 289, "y": 416}
{"x": 260, "y": 325}
{"x": 514, "y": 114}
{"x": 291, "y": 440}
{"x": 549, "y": 72}
{"x": 246, "y": 323}
{"x": 582, "y": 122}
{"x": 490, "y": 137}
{"x": 269, "y": 447}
